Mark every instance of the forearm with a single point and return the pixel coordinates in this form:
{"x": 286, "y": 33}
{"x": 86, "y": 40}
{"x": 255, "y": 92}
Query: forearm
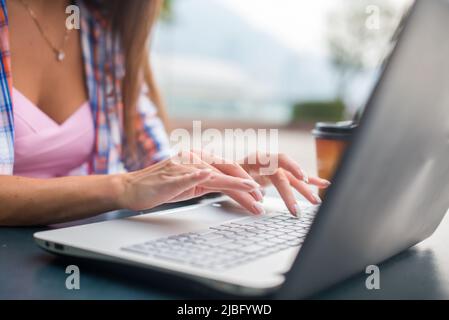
{"x": 26, "y": 201}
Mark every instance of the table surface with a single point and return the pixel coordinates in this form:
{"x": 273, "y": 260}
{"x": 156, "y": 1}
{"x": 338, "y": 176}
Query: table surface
{"x": 27, "y": 272}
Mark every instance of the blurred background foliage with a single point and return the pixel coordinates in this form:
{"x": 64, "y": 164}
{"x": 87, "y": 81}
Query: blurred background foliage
{"x": 257, "y": 62}
{"x": 358, "y": 38}
{"x": 166, "y": 14}
{"x": 315, "y": 111}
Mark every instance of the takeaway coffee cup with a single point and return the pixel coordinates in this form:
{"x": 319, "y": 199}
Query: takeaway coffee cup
{"x": 331, "y": 140}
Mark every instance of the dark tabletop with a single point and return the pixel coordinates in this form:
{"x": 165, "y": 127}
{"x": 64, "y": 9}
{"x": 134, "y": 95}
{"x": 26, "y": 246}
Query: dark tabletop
{"x": 27, "y": 272}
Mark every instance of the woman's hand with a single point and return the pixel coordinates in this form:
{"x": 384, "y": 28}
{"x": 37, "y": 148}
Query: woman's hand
{"x": 184, "y": 177}
{"x": 286, "y": 175}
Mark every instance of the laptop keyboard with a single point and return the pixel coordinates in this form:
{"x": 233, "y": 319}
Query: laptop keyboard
{"x": 231, "y": 244}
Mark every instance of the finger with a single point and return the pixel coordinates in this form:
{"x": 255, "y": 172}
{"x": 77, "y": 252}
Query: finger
{"x": 242, "y": 198}
{"x": 232, "y": 169}
{"x": 282, "y": 184}
{"x": 234, "y": 178}
{"x": 283, "y": 162}
{"x": 221, "y": 182}
{"x": 320, "y": 183}
{"x": 182, "y": 183}
{"x": 229, "y": 168}
{"x": 264, "y": 181}
{"x": 257, "y": 195}
{"x": 303, "y": 189}
{"x": 247, "y": 202}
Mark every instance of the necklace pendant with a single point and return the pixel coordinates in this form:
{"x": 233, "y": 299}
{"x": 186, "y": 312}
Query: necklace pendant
{"x": 60, "y": 56}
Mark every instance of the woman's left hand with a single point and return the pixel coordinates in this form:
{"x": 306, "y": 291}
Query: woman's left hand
{"x": 285, "y": 174}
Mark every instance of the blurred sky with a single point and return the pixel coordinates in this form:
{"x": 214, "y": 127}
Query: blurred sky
{"x": 300, "y": 24}
{"x": 253, "y": 59}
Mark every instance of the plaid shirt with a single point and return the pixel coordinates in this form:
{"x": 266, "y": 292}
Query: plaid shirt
{"x": 104, "y": 70}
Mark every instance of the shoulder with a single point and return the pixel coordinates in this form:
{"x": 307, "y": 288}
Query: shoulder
{"x": 93, "y": 14}
{"x": 98, "y": 34}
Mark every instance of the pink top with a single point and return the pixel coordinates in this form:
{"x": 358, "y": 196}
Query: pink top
{"x": 46, "y": 149}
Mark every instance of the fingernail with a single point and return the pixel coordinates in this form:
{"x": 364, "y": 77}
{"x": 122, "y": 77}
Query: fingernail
{"x": 317, "y": 199}
{"x": 251, "y": 183}
{"x": 259, "y": 208}
{"x": 297, "y": 210}
{"x": 305, "y": 176}
{"x": 258, "y": 194}
{"x": 299, "y": 170}
{"x": 326, "y": 183}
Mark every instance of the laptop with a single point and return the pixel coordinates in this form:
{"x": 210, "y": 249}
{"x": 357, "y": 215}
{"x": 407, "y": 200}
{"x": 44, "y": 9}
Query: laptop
{"x": 390, "y": 192}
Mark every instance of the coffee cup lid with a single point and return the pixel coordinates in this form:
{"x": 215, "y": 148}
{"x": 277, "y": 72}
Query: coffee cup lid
{"x": 334, "y": 130}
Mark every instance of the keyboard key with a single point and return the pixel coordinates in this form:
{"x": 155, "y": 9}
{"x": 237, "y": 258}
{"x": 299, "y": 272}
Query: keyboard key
{"x": 275, "y": 233}
{"x": 259, "y": 239}
{"x": 282, "y": 217}
{"x": 244, "y": 243}
{"x": 218, "y": 241}
{"x": 227, "y": 233}
{"x": 287, "y": 237}
{"x": 220, "y": 228}
{"x": 267, "y": 227}
{"x": 276, "y": 240}
{"x": 211, "y": 235}
{"x": 231, "y": 246}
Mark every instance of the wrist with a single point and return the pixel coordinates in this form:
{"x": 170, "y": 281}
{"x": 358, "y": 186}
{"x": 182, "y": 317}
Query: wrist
{"x": 117, "y": 190}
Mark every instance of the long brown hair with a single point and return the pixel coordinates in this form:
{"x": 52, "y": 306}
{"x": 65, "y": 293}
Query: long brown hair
{"x": 133, "y": 20}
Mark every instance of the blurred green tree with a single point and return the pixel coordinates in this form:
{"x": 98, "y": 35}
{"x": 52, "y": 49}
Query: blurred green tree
{"x": 315, "y": 111}
{"x": 167, "y": 11}
{"x": 358, "y": 37}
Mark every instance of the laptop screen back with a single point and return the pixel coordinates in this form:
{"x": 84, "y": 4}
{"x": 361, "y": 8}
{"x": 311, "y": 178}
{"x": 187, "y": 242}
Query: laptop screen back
{"x": 392, "y": 188}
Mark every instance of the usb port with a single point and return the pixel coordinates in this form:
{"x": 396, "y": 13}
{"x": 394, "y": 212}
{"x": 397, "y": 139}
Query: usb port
{"x": 59, "y": 247}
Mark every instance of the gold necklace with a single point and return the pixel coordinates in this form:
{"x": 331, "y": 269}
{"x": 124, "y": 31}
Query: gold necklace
{"x": 59, "y": 52}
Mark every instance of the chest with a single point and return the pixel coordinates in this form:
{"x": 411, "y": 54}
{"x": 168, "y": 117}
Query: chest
{"x": 56, "y": 87}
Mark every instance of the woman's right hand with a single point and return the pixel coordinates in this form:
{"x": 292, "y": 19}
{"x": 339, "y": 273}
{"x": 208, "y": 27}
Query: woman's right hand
{"x": 174, "y": 180}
